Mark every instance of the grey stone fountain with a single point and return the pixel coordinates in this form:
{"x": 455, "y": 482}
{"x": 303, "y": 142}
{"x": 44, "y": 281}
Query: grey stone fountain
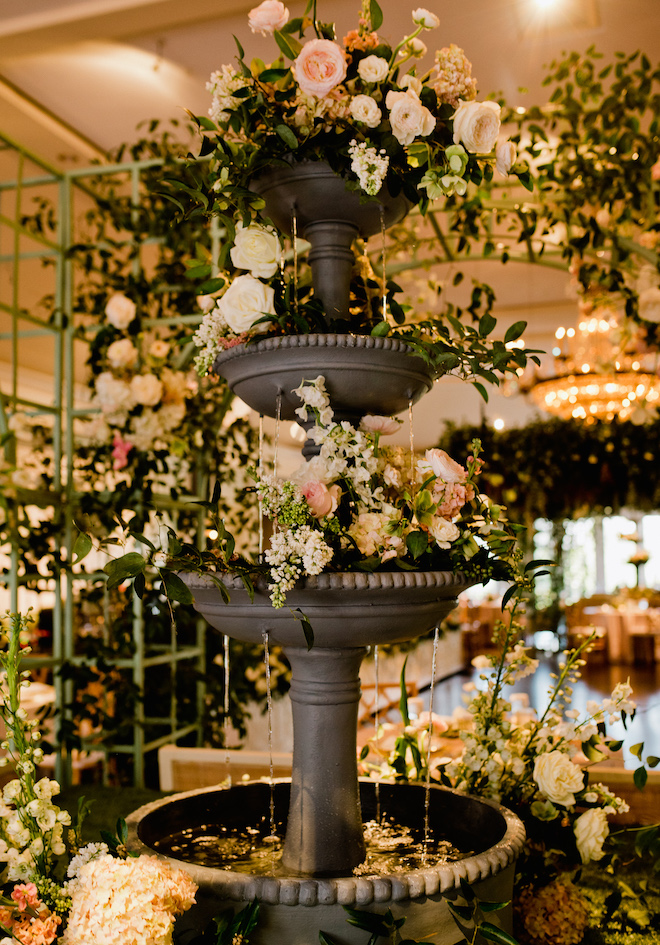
{"x": 321, "y": 809}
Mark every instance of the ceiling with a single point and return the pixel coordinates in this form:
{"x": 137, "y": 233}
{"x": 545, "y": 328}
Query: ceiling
{"x": 78, "y": 76}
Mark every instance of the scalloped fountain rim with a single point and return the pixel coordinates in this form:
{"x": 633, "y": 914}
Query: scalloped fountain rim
{"x": 349, "y": 890}
{"x": 347, "y": 580}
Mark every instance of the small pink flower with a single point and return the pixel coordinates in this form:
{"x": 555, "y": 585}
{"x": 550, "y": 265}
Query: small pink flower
{"x": 120, "y": 450}
{"x": 269, "y": 16}
{"x": 373, "y": 423}
{"x": 321, "y": 500}
{"x": 320, "y": 66}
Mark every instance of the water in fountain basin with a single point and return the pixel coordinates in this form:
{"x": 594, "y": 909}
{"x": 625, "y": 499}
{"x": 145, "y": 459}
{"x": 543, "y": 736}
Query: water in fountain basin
{"x": 391, "y": 849}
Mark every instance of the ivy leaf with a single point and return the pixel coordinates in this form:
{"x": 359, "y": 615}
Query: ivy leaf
{"x": 306, "y": 627}
{"x": 81, "y": 548}
{"x": 289, "y": 46}
{"x": 287, "y": 136}
{"x": 375, "y": 15}
{"x": 176, "y": 588}
{"x": 514, "y": 331}
{"x": 640, "y": 777}
{"x": 124, "y": 568}
{"x": 494, "y": 934}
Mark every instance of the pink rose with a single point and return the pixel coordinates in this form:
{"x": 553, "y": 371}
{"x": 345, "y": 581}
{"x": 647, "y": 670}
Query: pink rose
{"x": 372, "y": 423}
{"x": 269, "y": 16}
{"x": 442, "y": 466}
{"x": 321, "y": 500}
{"x": 120, "y": 450}
{"x": 320, "y": 66}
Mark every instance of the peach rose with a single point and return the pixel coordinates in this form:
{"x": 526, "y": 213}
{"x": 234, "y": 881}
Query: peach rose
{"x": 269, "y": 16}
{"x": 320, "y": 66}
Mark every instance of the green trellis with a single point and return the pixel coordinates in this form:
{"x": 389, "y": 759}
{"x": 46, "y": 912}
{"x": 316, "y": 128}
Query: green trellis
{"x": 34, "y": 263}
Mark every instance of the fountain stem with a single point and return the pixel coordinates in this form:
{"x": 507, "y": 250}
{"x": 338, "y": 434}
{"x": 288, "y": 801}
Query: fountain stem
{"x": 324, "y": 834}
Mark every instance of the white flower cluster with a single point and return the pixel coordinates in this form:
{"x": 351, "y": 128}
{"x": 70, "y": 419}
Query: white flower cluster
{"x": 31, "y": 826}
{"x": 294, "y": 553}
{"x": 369, "y": 165}
{"x": 222, "y": 85}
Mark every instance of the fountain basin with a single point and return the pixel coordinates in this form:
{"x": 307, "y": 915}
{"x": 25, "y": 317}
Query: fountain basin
{"x": 294, "y": 909}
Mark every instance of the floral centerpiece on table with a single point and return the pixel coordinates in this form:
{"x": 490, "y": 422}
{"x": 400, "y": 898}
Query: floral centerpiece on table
{"x": 63, "y": 891}
{"x": 384, "y": 123}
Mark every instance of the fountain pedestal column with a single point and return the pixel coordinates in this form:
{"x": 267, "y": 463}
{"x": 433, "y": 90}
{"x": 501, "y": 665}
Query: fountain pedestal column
{"x": 324, "y": 835}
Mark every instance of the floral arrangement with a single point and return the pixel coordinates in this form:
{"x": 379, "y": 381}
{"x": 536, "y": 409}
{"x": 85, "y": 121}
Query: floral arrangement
{"x": 63, "y": 891}
{"x": 535, "y": 764}
{"x": 364, "y": 106}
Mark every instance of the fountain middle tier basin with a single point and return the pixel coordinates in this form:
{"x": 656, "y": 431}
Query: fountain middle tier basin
{"x": 293, "y": 909}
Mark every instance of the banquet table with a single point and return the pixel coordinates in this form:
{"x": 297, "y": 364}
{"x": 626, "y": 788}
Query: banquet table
{"x": 631, "y": 632}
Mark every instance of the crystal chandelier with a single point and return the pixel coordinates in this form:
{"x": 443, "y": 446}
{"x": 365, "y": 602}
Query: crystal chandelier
{"x": 601, "y": 369}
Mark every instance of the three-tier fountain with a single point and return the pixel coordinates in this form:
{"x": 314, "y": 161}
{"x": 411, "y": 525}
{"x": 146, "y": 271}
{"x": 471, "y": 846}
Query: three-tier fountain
{"x": 322, "y": 864}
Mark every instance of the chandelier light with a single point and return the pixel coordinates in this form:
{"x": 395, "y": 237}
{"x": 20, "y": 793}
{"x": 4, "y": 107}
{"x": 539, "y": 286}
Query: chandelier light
{"x": 601, "y": 370}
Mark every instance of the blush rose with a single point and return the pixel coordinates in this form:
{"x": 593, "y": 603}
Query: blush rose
{"x": 269, "y": 16}
{"x": 408, "y": 117}
{"x": 319, "y": 67}
{"x": 321, "y": 500}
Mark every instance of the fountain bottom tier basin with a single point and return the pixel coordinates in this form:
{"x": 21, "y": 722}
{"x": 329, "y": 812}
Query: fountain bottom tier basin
{"x": 293, "y": 909}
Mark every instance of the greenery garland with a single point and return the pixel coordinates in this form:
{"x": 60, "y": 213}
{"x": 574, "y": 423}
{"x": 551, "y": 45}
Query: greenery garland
{"x": 561, "y": 469}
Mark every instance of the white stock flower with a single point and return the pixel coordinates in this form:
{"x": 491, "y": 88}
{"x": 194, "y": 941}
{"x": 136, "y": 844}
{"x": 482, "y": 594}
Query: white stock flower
{"x": 476, "y": 126}
{"x": 363, "y": 108}
{"x": 591, "y": 830}
{"x": 245, "y": 301}
{"x": 120, "y": 310}
{"x": 257, "y": 249}
{"x": 373, "y": 68}
{"x": 557, "y": 777}
{"x": 146, "y": 389}
{"x": 425, "y": 18}
{"x": 122, "y": 354}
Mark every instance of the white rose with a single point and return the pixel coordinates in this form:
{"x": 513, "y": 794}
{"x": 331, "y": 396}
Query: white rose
{"x": 557, "y": 777}
{"x": 373, "y": 68}
{"x": 363, "y": 108}
{"x": 591, "y": 830}
{"x": 146, "y": 389}
{"x": 412, "y": 83}
{"x": 256, "y": 248}
{"x": 315, "y": 470}
{"x": 269, "y": 16}
{"x": 477, "y": 125}
{"x": 112, "y": 393}
{"x": 409, "y": 118}
{"x": 120, "y": 311}
{"x": 505, "y": 157}
{"x": 122, "y": 354}
{"x": 443, "y": 532}
{"x": 425, "y": 18}
{"x": 246, "y": 300}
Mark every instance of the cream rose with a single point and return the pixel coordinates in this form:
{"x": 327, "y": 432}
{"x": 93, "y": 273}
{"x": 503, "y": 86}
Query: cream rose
{"x": 159, "y": 349}
{"x": 122, "y": 354}
{"x": 505, "y": 157}
{"x": 557, "y": 777}
{"x": 442, "y": 466}
{"x": 269, "y": 16}
{"x": 320, "y": 66}
{"x": 443, "y": 531}
{"x": 256, "y": 248}
{"x": 373, "y": 68}
{"x": 246, "y": 300}
{"x": 321, "y": 500}
{"x": 476, "y": 126}
{"x": 120, "y": 310}
{"x": 146, "y": 389}
{"x": 408, "y": 117}
{"x": 363, "y": 108}
{"x": 591, "y": 830}
{"x": 112, "y": 393}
